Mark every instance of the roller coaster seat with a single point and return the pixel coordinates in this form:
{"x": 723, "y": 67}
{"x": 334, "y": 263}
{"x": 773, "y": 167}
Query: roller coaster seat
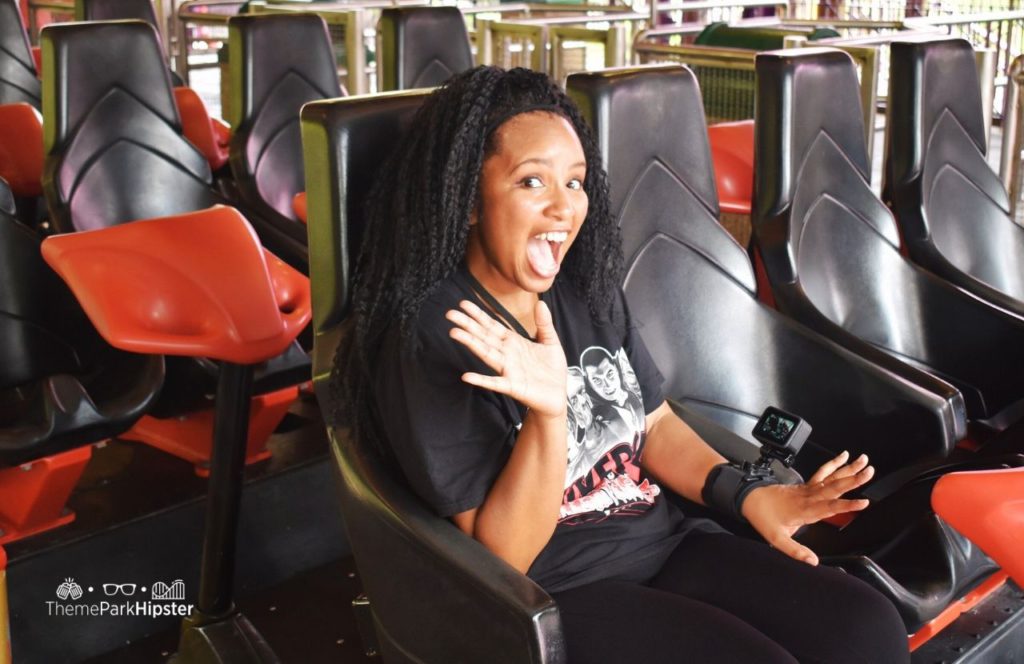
{"x": 115, "y": 154}
{"x": 691, "y": 291}
{"x": 421, "y": 47}
{"x": 61, "y": 385}
{"x": 952, "y": 209}
{"x": 435, "y": 594}
{"x": 270, "y": 81}
{"x": 62, "y": 388}
{"x": 831, "y": 250}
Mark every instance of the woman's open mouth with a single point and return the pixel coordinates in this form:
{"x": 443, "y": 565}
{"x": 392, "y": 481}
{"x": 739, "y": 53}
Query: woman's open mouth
{"x": 543, "y": 251}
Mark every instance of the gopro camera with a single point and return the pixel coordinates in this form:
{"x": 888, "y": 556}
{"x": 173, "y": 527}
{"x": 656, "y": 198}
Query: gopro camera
{"x": 781, "y": 435}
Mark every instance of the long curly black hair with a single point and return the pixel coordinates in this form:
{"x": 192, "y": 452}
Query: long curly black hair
{"x": 418, "y": 214}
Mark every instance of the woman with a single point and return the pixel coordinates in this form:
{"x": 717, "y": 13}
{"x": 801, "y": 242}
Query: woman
{"x": 487, "y": 285}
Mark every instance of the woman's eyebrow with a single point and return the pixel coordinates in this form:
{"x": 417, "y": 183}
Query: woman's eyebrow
{"x": 544, "y": 162}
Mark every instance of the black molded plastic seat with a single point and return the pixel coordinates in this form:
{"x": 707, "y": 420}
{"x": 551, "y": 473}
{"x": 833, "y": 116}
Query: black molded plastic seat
{"x": 19, "y": 81}
{"x": 725, "y": 355}
{"x": 270, "y": 80}
{"x": 421, "y": 47}
{"x": 951, "y": 207}
{"x": 436, "y": 594}
{"x": 115, "y": 153}
{"x": 61, "y": 385}
{"x": 831, "y": 248}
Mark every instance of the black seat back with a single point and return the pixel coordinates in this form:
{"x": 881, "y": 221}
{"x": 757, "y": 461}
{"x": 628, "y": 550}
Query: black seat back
{"x": 831, "y": 249}
{"x": 951, "y": 207}
{"x": 436, "y": 595}
{"x": 344, "y": 143}
{"x": 19, "y": 81}
{"x": 113, "y": 139}
{"x": 270, "y": 81}
{"x": 421, "y": 47}
{"x": 691, "y": 290}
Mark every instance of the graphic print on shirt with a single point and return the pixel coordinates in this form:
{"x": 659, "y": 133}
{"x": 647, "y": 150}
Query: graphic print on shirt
{"x": 606, "y": 426}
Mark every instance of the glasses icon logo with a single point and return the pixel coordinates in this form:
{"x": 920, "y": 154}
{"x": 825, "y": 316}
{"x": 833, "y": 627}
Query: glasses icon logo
{"x": 126, "y": 589}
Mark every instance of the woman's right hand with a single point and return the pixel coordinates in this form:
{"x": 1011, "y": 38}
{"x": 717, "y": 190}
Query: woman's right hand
{"x": 532, "y": 373}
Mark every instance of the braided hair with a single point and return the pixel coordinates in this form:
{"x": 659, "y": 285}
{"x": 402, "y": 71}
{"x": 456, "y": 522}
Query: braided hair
{"x": 418, "y": 214}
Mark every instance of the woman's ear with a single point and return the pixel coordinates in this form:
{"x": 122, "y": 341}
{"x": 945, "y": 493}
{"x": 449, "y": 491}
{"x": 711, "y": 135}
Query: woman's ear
{"x": 474, "y": 215}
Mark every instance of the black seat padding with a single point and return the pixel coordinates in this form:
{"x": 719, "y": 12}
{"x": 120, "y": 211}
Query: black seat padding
{"x": 421, "y": 47}
{"x": 831, "y": 248}
{"x": 951, "y": 207}
{"x": 271, "y": 79}
{"x": 436, "y": 594}
{"x": 723, "y": 354}
{"x": 19, "y": 81}
{"x": 61, "y": 385}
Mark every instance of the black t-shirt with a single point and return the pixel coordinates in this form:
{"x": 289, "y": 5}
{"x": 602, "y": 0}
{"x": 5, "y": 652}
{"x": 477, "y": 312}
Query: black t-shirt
{"x": 452, "y": 439}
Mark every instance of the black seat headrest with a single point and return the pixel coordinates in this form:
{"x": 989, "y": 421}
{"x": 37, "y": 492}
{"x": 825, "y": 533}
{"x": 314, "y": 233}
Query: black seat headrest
{"x": 113, "y": 137}
{"x": 19, "y": 81}
{"x": 421, "y": 46}
{"x": 345, "y": 142}
{"x": 114, "y": 10}
{"x": 95, "y": 60}
{"x": 265, "y": 45}
{"x": 811, "y": 152}
{"x": 271, "y": 80}
{"x": 951, "y": 206}
{"x": 656, "y": 180}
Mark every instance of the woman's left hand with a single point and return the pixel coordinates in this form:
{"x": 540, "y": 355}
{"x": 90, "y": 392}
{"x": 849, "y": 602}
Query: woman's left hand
{"x": 777, "y": 511}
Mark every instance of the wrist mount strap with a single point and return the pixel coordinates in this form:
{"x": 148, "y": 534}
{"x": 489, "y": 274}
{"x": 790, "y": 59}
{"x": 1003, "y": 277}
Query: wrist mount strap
{"x": 729, "y": 484}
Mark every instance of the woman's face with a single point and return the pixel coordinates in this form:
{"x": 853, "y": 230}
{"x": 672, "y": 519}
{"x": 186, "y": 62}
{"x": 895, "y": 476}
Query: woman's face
{"x": 532, "y": 204}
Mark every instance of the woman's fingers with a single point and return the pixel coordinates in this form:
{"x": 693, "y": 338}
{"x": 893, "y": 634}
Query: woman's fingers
{"x": 852, "y": 468}
{"x": 830, "y": 508}
{"x": 484, "y": 319}
{"x": 794, "y": 549}
{"x": 545, "y": 325}
{"x": 498, "y": 384}
{"x": 829, "y": 467}
{"x": 487, "y": 353}
{"x": 835, "y": 487}
{"x": 477, "y": 322}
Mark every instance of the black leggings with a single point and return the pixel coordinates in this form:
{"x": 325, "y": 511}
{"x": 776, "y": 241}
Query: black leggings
{"x": 721, "y": 598}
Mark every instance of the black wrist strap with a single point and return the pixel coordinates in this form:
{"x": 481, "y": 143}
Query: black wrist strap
{"x": 728, "y": 485}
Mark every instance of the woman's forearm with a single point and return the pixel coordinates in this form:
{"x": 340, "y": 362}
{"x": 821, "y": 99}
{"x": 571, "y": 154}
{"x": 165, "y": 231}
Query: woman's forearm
{"x": 519, "y": 515}
{"x": 676, "y": 456}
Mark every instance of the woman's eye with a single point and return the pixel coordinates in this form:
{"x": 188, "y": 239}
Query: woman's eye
{"x": 532, "y": 182}
{"x": 575, "y": 184}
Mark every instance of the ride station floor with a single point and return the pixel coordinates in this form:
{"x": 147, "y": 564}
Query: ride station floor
{"x": 139, "y": 517}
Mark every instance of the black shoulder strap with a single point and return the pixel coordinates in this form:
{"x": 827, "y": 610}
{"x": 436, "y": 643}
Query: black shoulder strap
{"x": 492, "y": 302}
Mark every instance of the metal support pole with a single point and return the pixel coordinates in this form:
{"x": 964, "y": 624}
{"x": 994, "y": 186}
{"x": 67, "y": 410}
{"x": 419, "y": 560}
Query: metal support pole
{"x": 986, "y": 61}
{"x": 355, "y": 52}
{"x": 1013, "y": 140}
{"x": 223, "y": 499}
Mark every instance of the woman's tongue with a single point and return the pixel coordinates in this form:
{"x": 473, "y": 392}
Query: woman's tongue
{"x": 541, "y": 255}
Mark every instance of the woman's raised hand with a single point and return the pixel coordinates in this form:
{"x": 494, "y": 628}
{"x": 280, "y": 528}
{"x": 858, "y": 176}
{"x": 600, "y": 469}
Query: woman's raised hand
{"x": 532, "y": 373}
{"x": 777, "y": 511}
